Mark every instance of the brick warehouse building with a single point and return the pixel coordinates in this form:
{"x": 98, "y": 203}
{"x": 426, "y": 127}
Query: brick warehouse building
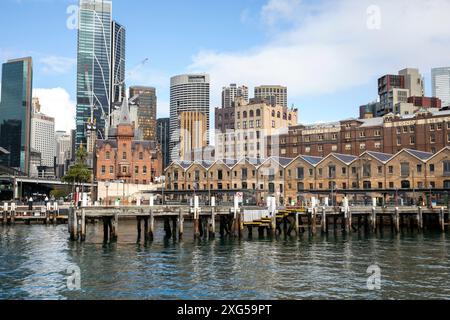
{"x": 121, "y": 157}
{"x": 409, "y": 176}
{"x": 424, "y": 131}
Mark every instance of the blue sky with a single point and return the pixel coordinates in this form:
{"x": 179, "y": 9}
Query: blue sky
{"x": 328, "y": 53}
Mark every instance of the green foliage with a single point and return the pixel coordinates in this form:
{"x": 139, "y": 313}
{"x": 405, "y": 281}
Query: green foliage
{"x": 79, "y": 172}
{"x": 58, "y": 193}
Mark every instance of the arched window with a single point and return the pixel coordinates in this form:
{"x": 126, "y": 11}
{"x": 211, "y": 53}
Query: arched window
{"x": 141, "y": 155}
{"x": 258, "y": 112}
{"x": 290, "y": 117}
{"x": 278, "y": 114}
{"x": 273, "y": 113}
{"x": 284, "y": 116}
{"x": 108, "y": 155}
{"x": 406, "y": 184}
{"x": 252, "y": 113}
{"x": 244, "y": 114}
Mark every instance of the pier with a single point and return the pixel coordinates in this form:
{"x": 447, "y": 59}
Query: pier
{"x": 269, "y": 222}
{"x": 51, "y": 213}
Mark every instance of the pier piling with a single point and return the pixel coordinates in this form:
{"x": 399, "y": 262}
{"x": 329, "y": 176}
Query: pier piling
{"x": 180, "y": 225}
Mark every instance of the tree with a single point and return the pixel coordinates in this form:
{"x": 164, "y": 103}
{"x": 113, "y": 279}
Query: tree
{"x": 79, "y": 172}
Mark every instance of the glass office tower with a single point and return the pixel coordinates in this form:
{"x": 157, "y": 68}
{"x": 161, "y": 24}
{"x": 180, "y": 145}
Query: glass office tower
{"x": 118, "y": 63}
{"x": 15, "y": 113}
{"x": 94, "y": 65}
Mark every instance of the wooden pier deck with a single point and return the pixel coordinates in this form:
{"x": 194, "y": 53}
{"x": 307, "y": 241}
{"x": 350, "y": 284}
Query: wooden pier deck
{"x": 232, "y": 222}
{"x": 11, "y": 214}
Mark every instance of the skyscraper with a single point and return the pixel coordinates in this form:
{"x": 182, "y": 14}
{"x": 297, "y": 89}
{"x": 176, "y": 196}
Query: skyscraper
{"x": 188, "y": 92}
{"x": 117, "y": 63}
{"x": 43, "y": 138}
{"x": 146, "y": 100}
{"x": 440, "y": 81}
{"x": 15, "y": 112}
{"x": 230, "y": 93}
{"x": 275, "y": 95}
{"x": 94, "y": 66}
{"x": 413, "y": 82}
{"x": 164, "y": 139}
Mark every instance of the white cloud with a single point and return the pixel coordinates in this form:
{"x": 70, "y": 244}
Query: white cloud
{"x": 57, "y": 65}
{"x": 56, "y": 103}
{"x": 329, "y": 47}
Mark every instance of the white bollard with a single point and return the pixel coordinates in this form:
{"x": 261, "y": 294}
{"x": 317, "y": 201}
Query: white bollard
{"x": 13, "y": 206}
{"x": 213, "y": 201}
{"x": 5, "y": 207}
{"x": 49, "y": 206}
{"x": 374, "y": 202}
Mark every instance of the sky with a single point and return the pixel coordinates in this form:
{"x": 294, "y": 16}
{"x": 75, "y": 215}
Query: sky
{"x": 328, "y": 53}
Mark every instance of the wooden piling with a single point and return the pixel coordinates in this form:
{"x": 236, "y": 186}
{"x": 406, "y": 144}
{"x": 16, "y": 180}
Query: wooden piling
{"x": 196, "y": 227}
{"x": 146, "y": 229}
{"x": 180, "y": 225}
{"x": 313, "y": 221}
{"x": 83, "y": 226}
{"x": 297, "y": 224}
{"x": 151, "y": 231}
{"x": 397, "y": 220}
{"x": 419, "y": 219}
{"x": 13, "y": 217}
{"x": 73, "y": 224}
{"x": 373, "y": 220}
{"x": 212, "y": 225}
{"x": 324, "y": 220}
{"x": 105, "y": 229}
{"x": 222, "y": 226}
{"x": 442, "y": 219}
{"x": 114, "y": 227}
{"x": 139, "y": 231}
{"x": 167, "y": 228}
{"x": 250, "y": 232}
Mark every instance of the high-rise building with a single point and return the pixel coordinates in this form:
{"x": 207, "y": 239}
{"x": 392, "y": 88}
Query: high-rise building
{"x": 16, "y": 112}
{"x": 274, "y": 95}
{"x": 117, "y": 63}
{"x": 94, "y": 66}
{"x": 63, "y": 147}
{"x": 163, "y": 135}
{"x": 188, "y": 92}
{"x": 440, "y": 81}
{"x": 252, "y": 123}
{"x": 230, "y": 93}
{"x": 43, "y": 138}
{"x": 193, "y": 134}
{"x": 146, "y": 101}
{"x": 413, "y": 82}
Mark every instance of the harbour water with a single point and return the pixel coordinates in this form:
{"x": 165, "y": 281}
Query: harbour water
{"x": 34, "y": 264}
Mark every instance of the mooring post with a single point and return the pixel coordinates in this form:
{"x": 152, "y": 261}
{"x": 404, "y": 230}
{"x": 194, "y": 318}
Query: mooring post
{"x": 180, "y": 224}
{"x": 297, "y": 224}
{"x": 442, "y": 219}
{"x": 83, "y": 226}
{"x": 324, "y": 220}
{"x": 146, "y": 231}
{"x": 114, "y": 227}
{"x": 138, "y": 225}
{"x": 45, "y": 211}
{"x": 373, "y": 219}
{"x": 419, "y": 219}
{"x": 73, "y": 224}
{"x": 397, "y": 220}
{"x": 212, "y": 231}
{"x": 313, "y": 220}
{"x": 151, "y": 230}
{"x": 105, "y": 229}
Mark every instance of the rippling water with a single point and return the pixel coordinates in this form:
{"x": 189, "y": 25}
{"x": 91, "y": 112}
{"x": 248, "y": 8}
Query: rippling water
{"x": 34, "y": 262}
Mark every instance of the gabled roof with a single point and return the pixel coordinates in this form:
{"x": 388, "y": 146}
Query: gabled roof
{"x": 230, "y": 163}
{"x": 382, "y": 157}
{"x": 283, "y": 162}
{"x": 439, "y": 152}
{"x": 311, "y": 160}
{"x": 421, "y": 155}
{"x": 255, "y": 161}
{"x": 345, "y": 158}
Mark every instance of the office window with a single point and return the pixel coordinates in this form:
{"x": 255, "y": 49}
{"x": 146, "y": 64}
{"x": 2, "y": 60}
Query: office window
{"x": 124, "y": 156}
{"x": 144, "y": 170}
{"x": 391, "y": 169}
{"x": 300, "y": 173}
{"x": 103, "y": 169}
{"x": 136, "y": 170}
{"x": 404, "y": 169}
{"x": 446, "y": 165}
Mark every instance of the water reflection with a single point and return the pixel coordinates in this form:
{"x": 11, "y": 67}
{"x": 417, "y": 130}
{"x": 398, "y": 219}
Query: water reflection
{"x": 34, "y": 259}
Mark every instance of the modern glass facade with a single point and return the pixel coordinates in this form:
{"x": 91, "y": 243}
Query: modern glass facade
{"x": 440, "y": 78}
{"x": 118, "y": 63}
{"x": 146, "y": 101}
{"x": 94, "y": 65}
{"x": 15, "y": 113}
{"x": 164, "y": 139}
